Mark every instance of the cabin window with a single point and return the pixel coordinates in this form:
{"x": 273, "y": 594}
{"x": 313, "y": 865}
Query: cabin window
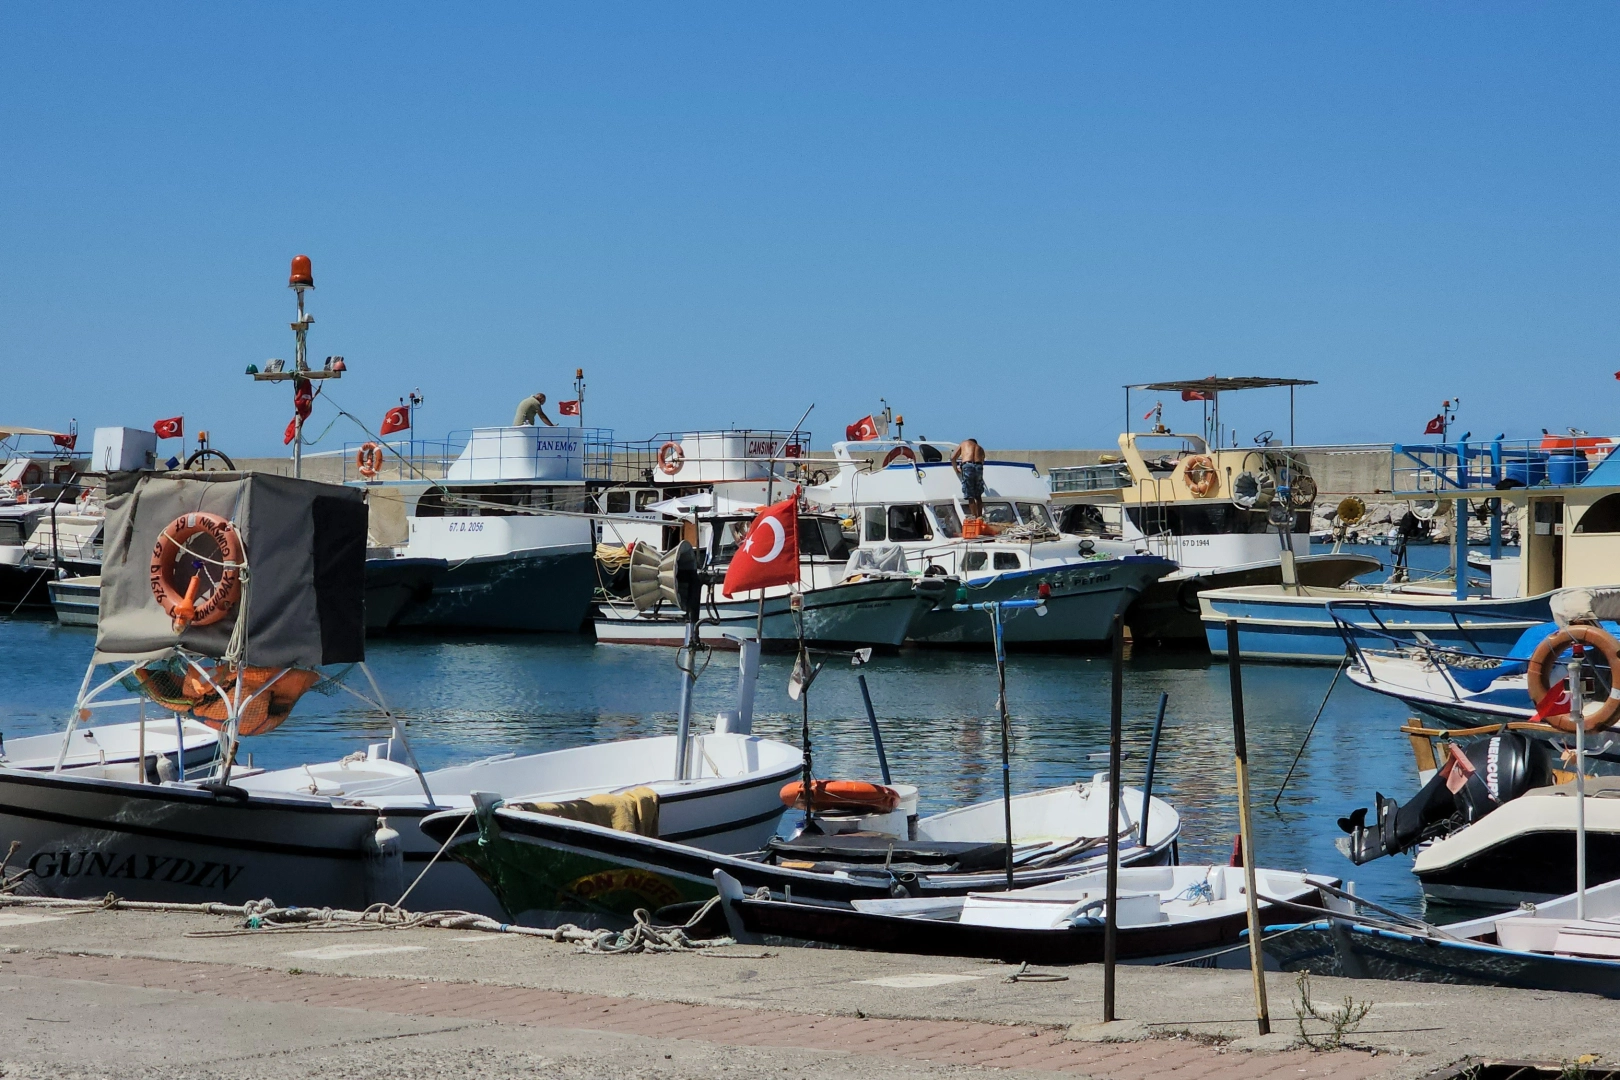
{"x": 645, "y": 499}
{"x": 999, "y": 513}
{"x": 1007, "y": 560}
{"x": 874, "y": 524}
{"x": 945, "y": 516}
{"x": 811, "y": 540}
{"x": 909, "y": 522}
{"x": 431, "y": 504}
{"x": 618, "y": 502}
{"x": 1602, "y": 517}
{"x": 832, "y": 535}
{"x": 973, "y": 560}
{"x": 1035, "y": 514}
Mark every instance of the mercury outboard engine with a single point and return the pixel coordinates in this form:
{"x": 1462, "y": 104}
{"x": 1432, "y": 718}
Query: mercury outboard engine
{"x": 1505, "y": 766}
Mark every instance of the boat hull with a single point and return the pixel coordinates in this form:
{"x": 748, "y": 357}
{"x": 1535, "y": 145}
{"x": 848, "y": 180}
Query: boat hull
{"x": 86, "y": 838}
{"x": 1080, "y": 611}
{"x": 877, "y": 613}
{"x": 537, "y": 590}
{"x": 1293, "y": 628}
{"x": 1350, "y": 950}
{"x": 1168, "y": 612}
{"x": 77, "y": 600}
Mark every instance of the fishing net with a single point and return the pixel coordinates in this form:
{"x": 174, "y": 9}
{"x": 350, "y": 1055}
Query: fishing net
{"x": 268, "y": 694}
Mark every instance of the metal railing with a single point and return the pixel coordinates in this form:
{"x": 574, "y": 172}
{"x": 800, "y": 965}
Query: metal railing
{"x": 1551, "y": 460}
{"x": 1068, "y": 479}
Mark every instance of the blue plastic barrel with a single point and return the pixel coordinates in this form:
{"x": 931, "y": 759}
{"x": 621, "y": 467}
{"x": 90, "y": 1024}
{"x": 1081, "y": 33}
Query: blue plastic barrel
{"x": 1528, "y": 467}
{"x": 1566, "y": 470}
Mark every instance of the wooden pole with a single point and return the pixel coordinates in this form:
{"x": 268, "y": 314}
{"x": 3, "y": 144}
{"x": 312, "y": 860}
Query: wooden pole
{"x": 1246, "y": 828}
{"x": 1110, "y": 916}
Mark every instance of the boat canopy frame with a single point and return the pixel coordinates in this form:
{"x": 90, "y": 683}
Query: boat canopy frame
{"x": 1209, "y": 390}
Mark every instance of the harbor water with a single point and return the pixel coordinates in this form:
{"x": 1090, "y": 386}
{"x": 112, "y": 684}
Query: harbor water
{"x": 473, "y": 697}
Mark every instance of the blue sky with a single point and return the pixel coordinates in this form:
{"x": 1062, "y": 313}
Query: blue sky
{"x": 990, "y": 215}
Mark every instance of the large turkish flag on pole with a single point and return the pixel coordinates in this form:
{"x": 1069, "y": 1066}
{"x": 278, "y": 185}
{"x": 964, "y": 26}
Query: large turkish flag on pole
{"x": 769, "y": 554}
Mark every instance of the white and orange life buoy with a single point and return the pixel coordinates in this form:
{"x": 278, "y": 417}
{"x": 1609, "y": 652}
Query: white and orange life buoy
{"x": 1597, "y": 715}
{"x": 899, "y": 452}
{"x": 369, "y": 460}
{"x": 671, "y": 458}
{"x": 852, "y": 795}
{"x": 1200, "y": 475}
{"x": 220, "y": 570}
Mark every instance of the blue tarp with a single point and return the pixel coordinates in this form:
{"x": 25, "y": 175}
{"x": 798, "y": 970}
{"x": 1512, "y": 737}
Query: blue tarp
{"x": 1476, "y": 680}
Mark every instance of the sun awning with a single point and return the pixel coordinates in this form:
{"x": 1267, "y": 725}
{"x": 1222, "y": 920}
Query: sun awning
{"x": 1216, "y": 384}
{"x": 8, "y": 432}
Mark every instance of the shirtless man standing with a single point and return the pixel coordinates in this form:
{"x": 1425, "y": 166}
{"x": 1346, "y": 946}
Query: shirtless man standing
{"x": 968, "y": 461}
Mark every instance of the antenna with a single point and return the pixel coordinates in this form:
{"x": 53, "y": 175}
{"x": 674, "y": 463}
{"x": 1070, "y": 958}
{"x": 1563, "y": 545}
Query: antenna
{"x": 301, "y": 279}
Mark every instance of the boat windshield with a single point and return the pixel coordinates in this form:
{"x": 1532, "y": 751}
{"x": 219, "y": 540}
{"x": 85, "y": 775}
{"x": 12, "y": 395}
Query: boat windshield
{"x": 823, "y": 537}
{"x": 1035, "y": 514}
{"x": 999, "y": 513}
{"x": 946, "y": 517}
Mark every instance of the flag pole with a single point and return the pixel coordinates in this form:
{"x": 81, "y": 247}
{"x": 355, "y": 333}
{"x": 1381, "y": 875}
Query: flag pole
{"x": 770, "y": 497}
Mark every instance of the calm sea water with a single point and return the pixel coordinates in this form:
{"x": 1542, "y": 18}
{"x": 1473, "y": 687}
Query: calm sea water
{"x": 472, "y": 697}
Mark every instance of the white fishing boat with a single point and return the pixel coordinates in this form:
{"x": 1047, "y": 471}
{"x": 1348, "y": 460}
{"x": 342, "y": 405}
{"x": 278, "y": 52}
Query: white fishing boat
{"x": 905, "y": 498}
{"x": 709, "y": 486}
{"x": 236, "y": 653}
{"x": 1225, "y": 516}
{"x": 1162, "y": 913}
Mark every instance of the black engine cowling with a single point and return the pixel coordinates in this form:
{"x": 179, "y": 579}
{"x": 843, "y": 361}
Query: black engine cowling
{"x": 1506, "y": 766}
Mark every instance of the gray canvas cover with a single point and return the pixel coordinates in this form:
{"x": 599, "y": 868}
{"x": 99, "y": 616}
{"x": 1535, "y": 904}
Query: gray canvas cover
{"x": 304, "y": 589}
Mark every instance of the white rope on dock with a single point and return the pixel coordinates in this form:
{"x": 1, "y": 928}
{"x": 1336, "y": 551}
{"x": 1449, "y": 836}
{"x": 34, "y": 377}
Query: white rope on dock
{"x": 265, "y": 917}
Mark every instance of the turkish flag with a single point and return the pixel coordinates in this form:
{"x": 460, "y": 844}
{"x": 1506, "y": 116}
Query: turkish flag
{"x": 1556, "y": 703}
{"x": 172, "y": 428}
{"x": 769, "y": 554}
{"x": 1194, "y": 395}
{"x": 1437, "y": 426}
{"x": 303, "y": 402}
{"x": 66, "y": 442}
{"x": 862, "y": 430}
{"x": 792, "y": 450}
{"x": 396, "y": 419}
{"x": 1457, "y": 770}
{"x": 567, "y": 408}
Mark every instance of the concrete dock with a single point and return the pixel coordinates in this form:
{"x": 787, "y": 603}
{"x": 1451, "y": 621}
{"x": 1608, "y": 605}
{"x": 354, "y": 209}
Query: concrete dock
{"x": 136, "y": 994}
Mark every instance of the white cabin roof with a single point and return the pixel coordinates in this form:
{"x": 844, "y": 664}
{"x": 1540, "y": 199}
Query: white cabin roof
{"x": 857, "y": 484}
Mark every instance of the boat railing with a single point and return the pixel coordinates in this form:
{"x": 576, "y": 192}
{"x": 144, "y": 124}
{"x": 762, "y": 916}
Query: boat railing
{"x": 1363, "y": 628}
{"x": 418, "y": 460}
{"x": 1073, "y": 479}
{"x": 1429, "y": 469}
{"x": 706, "y": 456}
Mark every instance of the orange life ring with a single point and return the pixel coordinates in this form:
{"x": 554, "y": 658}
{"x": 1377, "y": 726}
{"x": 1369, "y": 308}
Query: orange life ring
{"x": 1547, "y": 653}
{"x": 842, "y": 795}
{"x": 671, "y": 458}
{"x": 899, "y": 452}
{"x": 1200, "y": 475}
{"x": 369, "y": 460}
{"x": 222, "y": 572}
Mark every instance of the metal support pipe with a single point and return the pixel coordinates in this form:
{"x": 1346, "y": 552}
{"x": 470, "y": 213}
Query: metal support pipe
{"x": 1116, "y": 710}
{"x": 1006, "y": 735}
{"x": 1577, "y": 713}
{"x": 877, "y": 736}
{"x": 683, "y": 730}
{"x": 1240, "y": 746}
{"x": 1153, "y": 761}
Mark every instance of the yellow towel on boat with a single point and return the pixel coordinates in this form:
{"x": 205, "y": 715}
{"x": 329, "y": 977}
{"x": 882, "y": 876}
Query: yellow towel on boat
{"x": 633, "y": 811}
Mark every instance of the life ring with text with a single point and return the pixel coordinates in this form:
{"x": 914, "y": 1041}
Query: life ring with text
{"x": 1596, "y": 717}
{"x": 671, "y": 458}
{"x": 853, "y": 795}
{"x": 1200, "y": 475}
{"x": 897, "y": 453}
{"x": 220, "y": 570}
{"x": 369, "y": 460}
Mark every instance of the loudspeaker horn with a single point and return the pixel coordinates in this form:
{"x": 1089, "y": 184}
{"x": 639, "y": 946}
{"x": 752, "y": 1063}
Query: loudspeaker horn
{"x": 654, "y": 578}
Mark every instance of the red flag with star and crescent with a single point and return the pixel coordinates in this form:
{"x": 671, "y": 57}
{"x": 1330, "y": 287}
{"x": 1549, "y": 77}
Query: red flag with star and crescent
{"x": 396, "y": 419}
{"x": 862, "y": 430}
{"x": 1556, "y": 703}
{"x": 769, "y": 554}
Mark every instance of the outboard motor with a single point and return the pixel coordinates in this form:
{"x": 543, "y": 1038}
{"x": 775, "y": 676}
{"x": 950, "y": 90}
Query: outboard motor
{"x": 1506, "y": 766}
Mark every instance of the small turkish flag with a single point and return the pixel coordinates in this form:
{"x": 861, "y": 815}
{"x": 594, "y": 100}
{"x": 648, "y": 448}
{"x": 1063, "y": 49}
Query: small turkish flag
{"x": 396, "y": 419}
{"x": 303, "y": 402}
{"x": 862, "y": 430}
{"x": 567, "y": 408}
{"x": 1194, "y": 395}
{"x": 1437, "y": 426}
{"x": 66, "y": 442}
{"x": 1457, "y": 770}
{"x": 1556, "y": 703}
{"x": 1149, "y": 414}
{"x": 172, "y": 428}
{"x": 769, "y": 554}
